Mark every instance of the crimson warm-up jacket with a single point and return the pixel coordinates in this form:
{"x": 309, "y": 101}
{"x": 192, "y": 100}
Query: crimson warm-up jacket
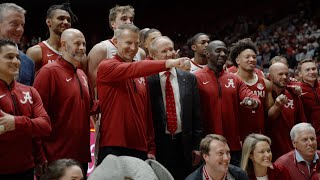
{"x": 311, "y": 102}
{"x": 279, "y": 129}
{"x": 299, "y": 170}
{"x": 220, "y": 99}
{"x": 126, "y": 119}
{"x": 65, "y": 94}
{"x": 31, "y": 120}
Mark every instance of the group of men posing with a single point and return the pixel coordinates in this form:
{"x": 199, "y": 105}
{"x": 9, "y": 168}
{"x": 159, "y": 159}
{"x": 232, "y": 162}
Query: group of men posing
{"x": 150, "y": 108}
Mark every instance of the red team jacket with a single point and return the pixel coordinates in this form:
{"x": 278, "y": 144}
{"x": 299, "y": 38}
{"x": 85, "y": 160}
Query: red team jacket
{"x": 220, "y": 98}
{"x": 279, "y": 129}
{"x": 311, "y": 102}
{"x": 31, "y": 120}
{"x": 65, "y": 94}
{"x": 299, "y": 170}
{"x": 126, "y": 119}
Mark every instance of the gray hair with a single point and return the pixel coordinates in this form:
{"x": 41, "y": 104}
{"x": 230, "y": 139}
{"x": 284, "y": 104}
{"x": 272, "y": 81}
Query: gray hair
{"x": 153, "y": 44}
{"x": 299, "y": 128}
{"x": 5, "y": 7}
{"x": 130, "y": 27}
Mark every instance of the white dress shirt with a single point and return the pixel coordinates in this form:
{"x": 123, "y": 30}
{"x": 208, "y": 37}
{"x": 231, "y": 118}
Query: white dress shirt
{"x": 175, "y": 87}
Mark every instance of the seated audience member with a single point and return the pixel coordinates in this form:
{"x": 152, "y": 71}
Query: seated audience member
{"x": 216, "y": 154}
{"x": 63, "y": 169}
{"x": 303, "y": 161}
{"x": 256, "y": 159}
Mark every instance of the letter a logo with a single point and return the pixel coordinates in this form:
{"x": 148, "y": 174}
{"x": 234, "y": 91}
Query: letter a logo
{"x": 27, "y": 97}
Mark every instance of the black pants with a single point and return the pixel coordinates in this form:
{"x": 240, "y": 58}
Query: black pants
{"x": 120, "y": 151}
{"x": 27, "y": 175}
{"x": 170, "y": 153}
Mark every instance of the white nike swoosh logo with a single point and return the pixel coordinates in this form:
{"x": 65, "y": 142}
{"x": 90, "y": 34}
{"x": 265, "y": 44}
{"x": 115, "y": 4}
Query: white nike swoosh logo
{"x": 2, "y": 96}
{"x": 303, "y": 93}
{"x": 50, "y": 55}
{"x": 68, "y": 79}
{"x": 206, "y": 82}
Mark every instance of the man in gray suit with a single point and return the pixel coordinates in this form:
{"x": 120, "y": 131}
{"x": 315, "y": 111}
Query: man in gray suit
{"x": 176, "y": 113}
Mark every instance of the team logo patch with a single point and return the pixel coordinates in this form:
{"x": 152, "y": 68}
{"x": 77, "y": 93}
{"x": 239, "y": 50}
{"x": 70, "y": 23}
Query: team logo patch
{"x": 289, "y": 104}
{"x": 260, "y": 86}
{"x": 230, "y": 83}
{"x": 27, "y": 98}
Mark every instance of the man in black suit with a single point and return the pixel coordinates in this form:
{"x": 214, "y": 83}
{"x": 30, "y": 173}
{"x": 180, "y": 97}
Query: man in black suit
{"x": 176, "y": 113}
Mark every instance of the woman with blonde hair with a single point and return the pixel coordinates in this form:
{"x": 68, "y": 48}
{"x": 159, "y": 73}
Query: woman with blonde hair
{"x": 256, "y": 159}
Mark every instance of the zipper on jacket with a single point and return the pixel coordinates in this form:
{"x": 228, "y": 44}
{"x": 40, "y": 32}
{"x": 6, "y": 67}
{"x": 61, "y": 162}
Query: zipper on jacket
{"x": 134, "y": 86}
{"x": 14, "y": 100}
{"x": 316, "y": 94}
{"x": 219, "y": 87}
{"x": 80, "y": 86}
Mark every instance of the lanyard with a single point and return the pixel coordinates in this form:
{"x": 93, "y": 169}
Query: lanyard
{"x": 207, "y": 176}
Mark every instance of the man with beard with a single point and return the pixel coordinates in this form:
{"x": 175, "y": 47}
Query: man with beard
{"x": 198, "y": 44}
{"x": 289, "y": 110}
{"x": 65, "y": 94}
{"x": 59, "y": 18}
{"x": 221, "y": 93}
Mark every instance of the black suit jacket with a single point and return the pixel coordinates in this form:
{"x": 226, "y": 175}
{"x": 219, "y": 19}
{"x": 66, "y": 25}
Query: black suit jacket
{"x": 235, "y": 171}
{"x": 191, "y": 123}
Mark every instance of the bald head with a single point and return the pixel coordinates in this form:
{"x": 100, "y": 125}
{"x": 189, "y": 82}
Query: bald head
{"x": 276, "y": 67}
{"x": 73, "y": 46}
{"x": 216, "y": 43}
{"x": 279, "y": 75}
{"x": 70, "y": 33}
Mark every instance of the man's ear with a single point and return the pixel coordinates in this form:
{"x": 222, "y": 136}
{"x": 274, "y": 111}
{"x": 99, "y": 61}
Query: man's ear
{"x": 112, "y": 23}
{"x": 115, "y": 42}
{"x": 205, "y": 157}
{"x": 193, "y": 47}
{"x": 48, "y": 22}
{"x": 294, "y": 144}
{"x": 206, "y": 52}
{"x": 299, "y": 74}
{"x": 237, "y": 61}
{"x": 63, "y": 43}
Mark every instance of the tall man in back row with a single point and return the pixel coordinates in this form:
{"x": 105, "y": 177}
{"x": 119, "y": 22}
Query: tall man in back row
{"x": 126, "y": 121}
{"x": 221, "y": 93}
{"x": 59, "y": 18}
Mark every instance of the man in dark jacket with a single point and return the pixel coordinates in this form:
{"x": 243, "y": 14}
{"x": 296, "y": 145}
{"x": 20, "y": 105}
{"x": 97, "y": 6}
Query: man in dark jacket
{"x": 216, "y": 154}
